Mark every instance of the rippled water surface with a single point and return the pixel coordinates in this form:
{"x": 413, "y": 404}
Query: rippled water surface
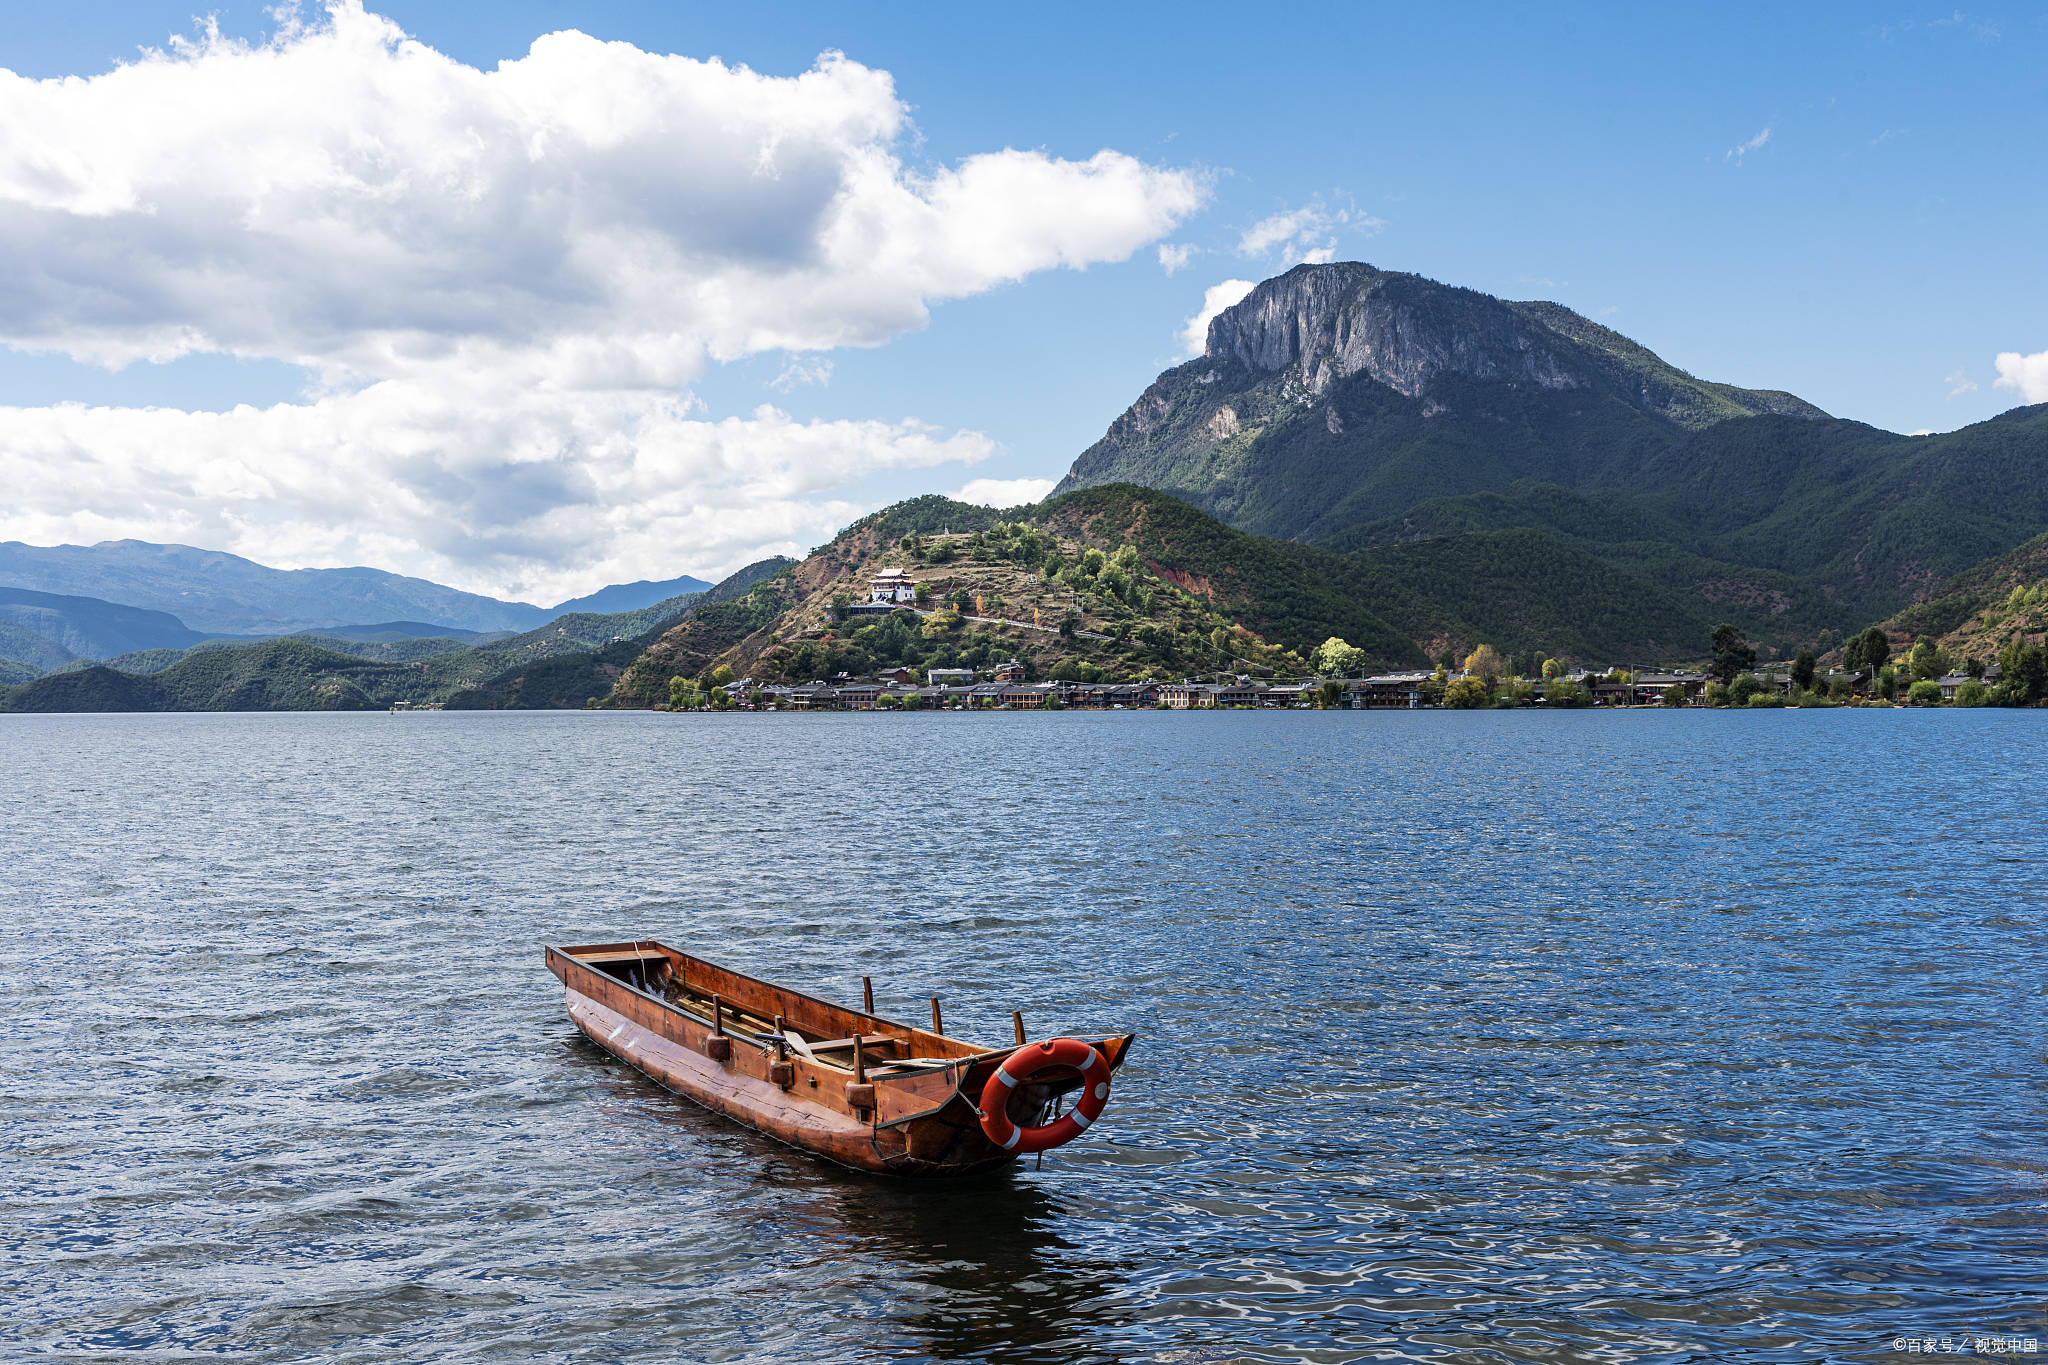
{"x": 1635, "y": 1037}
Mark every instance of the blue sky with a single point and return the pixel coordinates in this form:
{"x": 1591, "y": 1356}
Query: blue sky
{"x": 1843, "y": 201}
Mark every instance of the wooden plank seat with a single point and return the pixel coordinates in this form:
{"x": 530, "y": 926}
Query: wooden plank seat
{"x": 871, "y": 1041}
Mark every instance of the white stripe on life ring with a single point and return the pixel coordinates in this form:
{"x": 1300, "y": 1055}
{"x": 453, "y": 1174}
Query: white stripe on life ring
{"x": 1011, "y": 1140}
{"x": 1006, "y": 1078}
{"x": 1080, "y": 1119}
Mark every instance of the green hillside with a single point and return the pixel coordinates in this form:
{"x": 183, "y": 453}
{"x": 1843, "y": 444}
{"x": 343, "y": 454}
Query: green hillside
{"x": 274, "y": 675}
{"x": 1518, "y": 590}
{"x": 28, "y": 651}
{"x": 1978, "y": 611}
{"x": 1062, "y": 595}
{"x": 1274, "y": 588}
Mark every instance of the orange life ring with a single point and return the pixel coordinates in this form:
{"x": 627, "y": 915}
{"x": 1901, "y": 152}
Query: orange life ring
{"x": 1019, "y": 1067}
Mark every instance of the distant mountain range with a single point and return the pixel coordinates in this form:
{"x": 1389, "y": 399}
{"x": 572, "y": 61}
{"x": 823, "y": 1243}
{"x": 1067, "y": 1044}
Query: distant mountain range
{"x": 151, "y": 602}
{"x": 42, "y": 631}
{"x": 631, "y": 596}
{"x": 1361, "y": 410}
{"x": 215, "y": 593}
{"x": 573, "y": 657}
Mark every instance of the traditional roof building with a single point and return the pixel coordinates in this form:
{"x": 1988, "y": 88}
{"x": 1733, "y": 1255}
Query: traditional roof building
{"x": 1402, "y": 690}
{"x": 892, "y": 585}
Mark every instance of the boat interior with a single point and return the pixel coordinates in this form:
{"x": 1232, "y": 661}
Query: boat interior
{"x": 768, "y": 1017}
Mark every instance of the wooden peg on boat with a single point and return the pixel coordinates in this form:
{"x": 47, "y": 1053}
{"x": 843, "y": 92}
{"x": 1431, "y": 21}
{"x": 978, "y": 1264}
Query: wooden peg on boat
{"x": 936, "y": 1026}
{"x": 860, "y": 1096}
{"x": 1017, "y": 1018}
{"x": 867, "y": 995}
{"x": 781, "y": 1071}
{"x": 718, "y": 1047}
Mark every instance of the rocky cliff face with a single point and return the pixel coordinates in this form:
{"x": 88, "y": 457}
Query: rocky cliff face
{"x": 1329, "y": 322}
{"x": 1323, "y": 323}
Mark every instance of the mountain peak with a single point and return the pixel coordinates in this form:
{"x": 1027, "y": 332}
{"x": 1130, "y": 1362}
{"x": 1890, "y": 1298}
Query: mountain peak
{"x": 1324, "y": 323}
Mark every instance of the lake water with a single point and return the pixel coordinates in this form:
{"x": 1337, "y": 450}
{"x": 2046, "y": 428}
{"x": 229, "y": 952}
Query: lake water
{"x": 1649, "y": 1036}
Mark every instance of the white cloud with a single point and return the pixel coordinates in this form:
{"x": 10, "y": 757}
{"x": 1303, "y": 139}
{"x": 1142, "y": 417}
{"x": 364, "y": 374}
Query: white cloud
{"x": 549, "y": 250}
{"x": 2027, "y": 374}
{"x": 1004, "y": 492}
{"x": 1175, "y": 255}
{"x": 533, "y": 497}
{"x": 1736, "y": 153}
{"x": 1194, "y": 334}
{"x": 1960, "y": 383}
{"x": 1282, "y": 230}
{"x": 1304, "y": 235}
{"x": 799, "y": 372}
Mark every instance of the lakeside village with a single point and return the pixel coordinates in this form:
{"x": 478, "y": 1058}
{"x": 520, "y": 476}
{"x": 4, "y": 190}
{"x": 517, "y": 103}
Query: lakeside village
{"x": 1923, "y": 677}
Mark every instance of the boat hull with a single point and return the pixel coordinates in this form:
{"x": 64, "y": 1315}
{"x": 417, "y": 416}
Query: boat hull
{"x": 901, "y": 1122}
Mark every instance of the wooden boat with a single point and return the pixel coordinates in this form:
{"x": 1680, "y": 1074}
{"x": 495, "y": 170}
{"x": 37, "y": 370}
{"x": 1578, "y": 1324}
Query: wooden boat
{"x": 853, "y": 1087}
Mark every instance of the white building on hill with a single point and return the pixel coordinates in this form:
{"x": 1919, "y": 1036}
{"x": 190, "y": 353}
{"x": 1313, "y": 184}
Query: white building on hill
{"x": 892, "y": 585}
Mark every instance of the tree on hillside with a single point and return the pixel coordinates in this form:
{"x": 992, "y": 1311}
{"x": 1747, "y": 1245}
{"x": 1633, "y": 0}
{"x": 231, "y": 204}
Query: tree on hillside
{"x": 1803, "y": 669}
{"x": 1484, "y": 661}
{"x": 1872, "y": 650}
{"x": 1337, "y": 658}
{"x": 1733, "y": 653}
{"x": 2024, "y": 670}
